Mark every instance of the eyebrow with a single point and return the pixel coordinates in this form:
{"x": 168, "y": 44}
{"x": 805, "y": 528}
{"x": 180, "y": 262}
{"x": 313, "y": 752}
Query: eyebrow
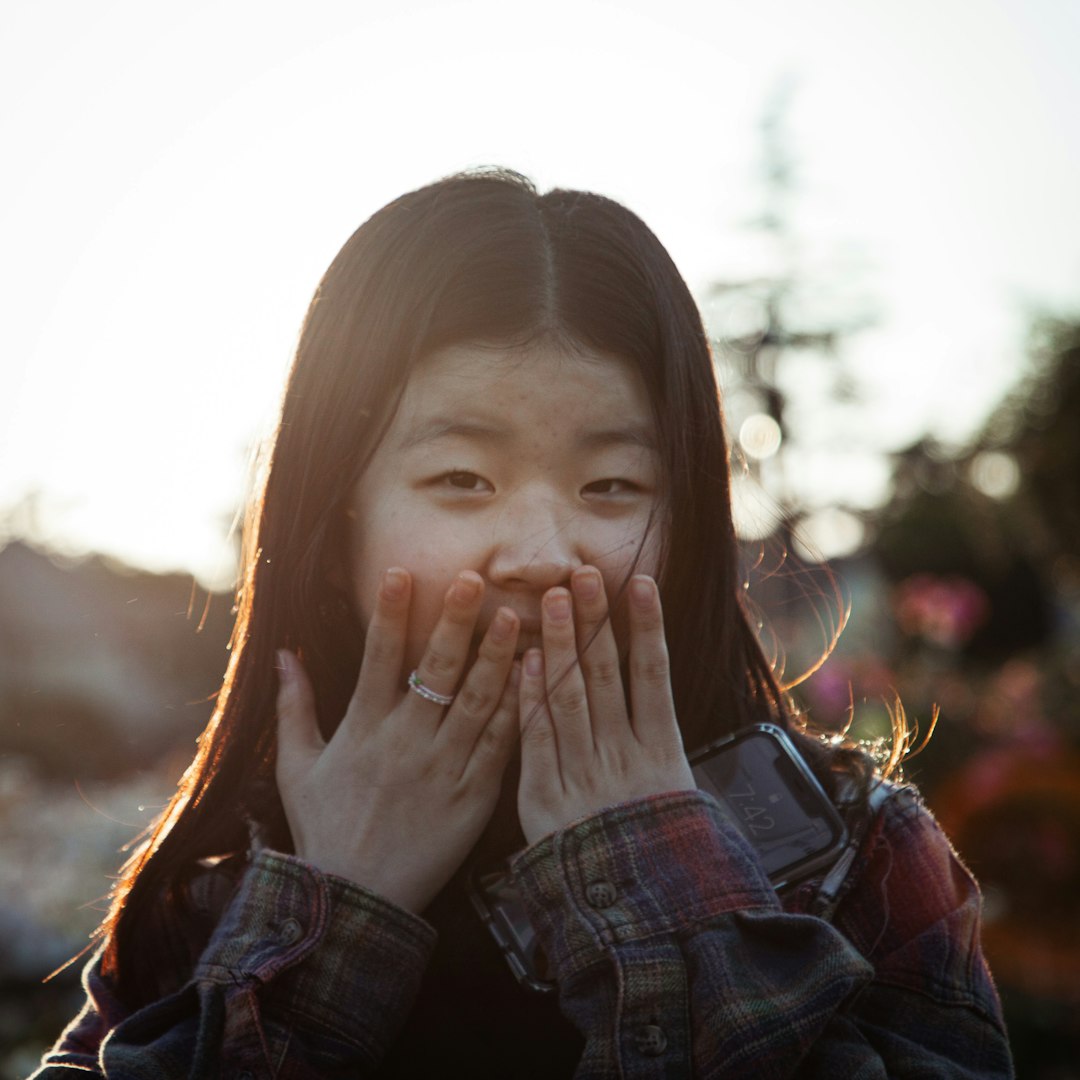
{"x": 438, "y": 427}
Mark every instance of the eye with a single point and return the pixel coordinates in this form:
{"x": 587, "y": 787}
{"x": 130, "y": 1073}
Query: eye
{"x": 463, "y": 480}
{"x": 611, "y": 485}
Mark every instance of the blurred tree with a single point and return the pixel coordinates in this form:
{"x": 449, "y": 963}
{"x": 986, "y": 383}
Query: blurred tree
{"x": 779, "y": 334}
{"x": 938, "y": 526}
{"x": 1004, "y": 512}
{"x": 1038, "y": 425}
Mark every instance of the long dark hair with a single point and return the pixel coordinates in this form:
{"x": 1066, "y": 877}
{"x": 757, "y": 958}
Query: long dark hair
{"x": 475, "y": 257}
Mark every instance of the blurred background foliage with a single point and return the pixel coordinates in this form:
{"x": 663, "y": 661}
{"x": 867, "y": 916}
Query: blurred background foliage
{"x": 963, "y": 588}
{"x": 963, "y": 580}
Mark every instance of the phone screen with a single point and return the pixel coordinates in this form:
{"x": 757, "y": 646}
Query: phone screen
{"x": 770, "y": 796}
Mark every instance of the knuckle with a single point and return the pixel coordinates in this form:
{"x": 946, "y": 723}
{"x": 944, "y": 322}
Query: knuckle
{"x": 490, "y": 741}
{"x": 604, "y": 673}
{"x": 591, "y": 625}
{"x": 403, "y": 764}
{"x": 381, "y": 649}
{"x": 653, "y": 669}
{"x": 569, "y": 699}
{"x": 474, "y": 700}
{"x": 537, "y": 731}
{"x": 616, "y": 762}
{"x": 624, "y": 761}
{"x": 438, "y": 663}
{"x": 491, "y": 652}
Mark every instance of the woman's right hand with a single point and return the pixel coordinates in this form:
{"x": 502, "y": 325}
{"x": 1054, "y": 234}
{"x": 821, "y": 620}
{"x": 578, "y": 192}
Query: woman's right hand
{"x": 401, "y": 792}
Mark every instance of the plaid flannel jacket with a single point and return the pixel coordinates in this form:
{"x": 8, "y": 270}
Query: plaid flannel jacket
{"x": 683, "y": 962}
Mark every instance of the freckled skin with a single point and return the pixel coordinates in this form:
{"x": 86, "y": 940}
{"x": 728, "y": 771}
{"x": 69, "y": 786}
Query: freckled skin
{"x": 537, "y": 506}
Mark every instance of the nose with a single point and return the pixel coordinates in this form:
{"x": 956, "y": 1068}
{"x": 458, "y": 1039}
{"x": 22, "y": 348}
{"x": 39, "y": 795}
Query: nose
{"x": 536, "y": 544}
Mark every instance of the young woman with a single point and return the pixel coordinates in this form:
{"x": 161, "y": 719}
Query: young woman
{"x": 490, "y": 602}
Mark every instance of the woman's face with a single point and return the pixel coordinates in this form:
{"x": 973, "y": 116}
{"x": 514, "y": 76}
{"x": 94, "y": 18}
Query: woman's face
{"x": 520, "y": 464}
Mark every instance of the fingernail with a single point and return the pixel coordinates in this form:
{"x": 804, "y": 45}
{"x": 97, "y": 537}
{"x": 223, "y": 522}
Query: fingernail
{"x": 534, "y": 663}
{"x": 394, "y": 581}
{"x": 557, "y": 605}
{"x": 641, "y": 589}
{"x": 466, "y": 588}
{"x": 586, "y": 584}
{"x": 502, "y": 625}
{"x": 281, "y": 664}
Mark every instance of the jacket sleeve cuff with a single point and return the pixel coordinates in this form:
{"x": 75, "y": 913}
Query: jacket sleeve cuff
{"x": 652, "y": 866}
{"x": 316, "y": 944}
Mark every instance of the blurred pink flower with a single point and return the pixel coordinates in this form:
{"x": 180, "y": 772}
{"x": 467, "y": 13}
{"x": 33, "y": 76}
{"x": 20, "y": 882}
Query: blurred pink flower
{"x": 943, "y": 610}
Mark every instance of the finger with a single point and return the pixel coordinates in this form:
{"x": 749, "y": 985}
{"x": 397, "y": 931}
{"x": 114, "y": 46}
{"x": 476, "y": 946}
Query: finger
{"x": 378, "y": 686}
{"x": 447, "y": 650}
{"x": 299, "y": 740}
{"x": 492, "y": 748}
{"x": 567, "y": 701}
{"x": 539, "y": 745}
{"x": 652, "y": 705}
{"x": 599, "y": 655}
{"x": 484, "y": 685}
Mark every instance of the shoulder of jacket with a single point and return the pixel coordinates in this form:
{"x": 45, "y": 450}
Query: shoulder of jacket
{"x": 884, "y": 800}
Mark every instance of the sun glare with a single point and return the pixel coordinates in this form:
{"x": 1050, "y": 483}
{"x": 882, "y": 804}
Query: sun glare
{"x": 164, "y": 233}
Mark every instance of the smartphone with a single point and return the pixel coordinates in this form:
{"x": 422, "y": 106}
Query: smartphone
{"x": 762, "y": 786}
{"x": 767, "y": 791}
{"x": 498, "y": 903}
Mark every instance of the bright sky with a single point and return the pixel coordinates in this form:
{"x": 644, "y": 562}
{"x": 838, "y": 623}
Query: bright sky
{"x": 178, "y": 176}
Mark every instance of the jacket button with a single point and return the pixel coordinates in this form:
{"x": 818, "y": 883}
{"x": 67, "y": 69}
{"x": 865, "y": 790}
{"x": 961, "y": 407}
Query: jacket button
{"x": 290, "y": 932}
{"x": 651, "y": 1040}
{"x": 600, "y": 894}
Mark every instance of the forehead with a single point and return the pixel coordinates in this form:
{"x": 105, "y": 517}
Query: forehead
{"x": 515, "y": 389}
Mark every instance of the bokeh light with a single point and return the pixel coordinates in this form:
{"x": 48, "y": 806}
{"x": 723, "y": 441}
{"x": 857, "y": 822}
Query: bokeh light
{"x": 829, "y": 533}
{"x": 995, "y": 473}
{"x": 760, "y": 436}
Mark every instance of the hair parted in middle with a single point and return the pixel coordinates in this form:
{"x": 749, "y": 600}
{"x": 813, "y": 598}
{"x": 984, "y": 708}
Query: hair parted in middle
{"x": 484, "y": 257}
{"x": 480, "y": 257}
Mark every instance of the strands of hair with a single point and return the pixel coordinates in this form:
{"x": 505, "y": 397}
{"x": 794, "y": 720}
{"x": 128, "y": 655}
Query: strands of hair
{"x": 478, "y": 257}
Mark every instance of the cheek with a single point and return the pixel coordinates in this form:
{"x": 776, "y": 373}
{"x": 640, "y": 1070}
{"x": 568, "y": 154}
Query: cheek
{"x": 618, "y": 565}
{"x": 618, "y": 554}
{"x": 432, "y": 567}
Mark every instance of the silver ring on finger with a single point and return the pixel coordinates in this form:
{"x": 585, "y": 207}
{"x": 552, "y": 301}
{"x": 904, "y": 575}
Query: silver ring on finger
{"x": 417, "y": 687}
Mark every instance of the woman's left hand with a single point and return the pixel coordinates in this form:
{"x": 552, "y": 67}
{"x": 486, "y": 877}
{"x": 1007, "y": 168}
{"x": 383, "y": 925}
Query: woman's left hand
{"x": 581, "y": 748}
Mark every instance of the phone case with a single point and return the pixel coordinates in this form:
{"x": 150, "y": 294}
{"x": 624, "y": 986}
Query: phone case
{"x": 766, "y": 789}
